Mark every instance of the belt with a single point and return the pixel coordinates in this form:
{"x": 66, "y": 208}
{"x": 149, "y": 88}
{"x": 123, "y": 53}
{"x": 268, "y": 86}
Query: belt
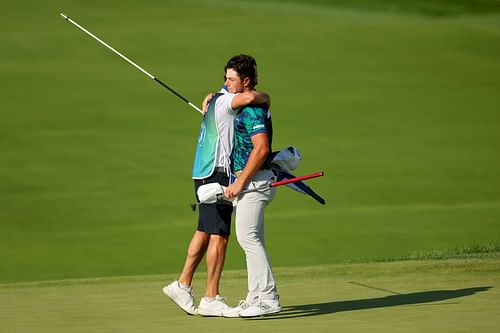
{"x": 238, "y": 173}
{"x": 220, "y": 169}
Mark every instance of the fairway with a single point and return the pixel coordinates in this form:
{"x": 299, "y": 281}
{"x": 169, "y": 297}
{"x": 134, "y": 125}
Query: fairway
{"x": 397, "y": 102}
{"x": 459, "y": 295}
{"x": 398, "y": 106}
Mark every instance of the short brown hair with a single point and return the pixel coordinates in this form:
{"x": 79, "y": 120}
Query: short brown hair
{"x": 245, "y": 66}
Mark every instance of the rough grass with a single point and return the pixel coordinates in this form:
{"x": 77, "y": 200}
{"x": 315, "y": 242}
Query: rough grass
{"x": 489, "y": 250}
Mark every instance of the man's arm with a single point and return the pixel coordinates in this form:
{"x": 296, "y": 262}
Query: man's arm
{"x": 207, "y": 99}
{"x": 241, "y": 99}
{"x": 257, "y": 157}
{"x": 251, "y": 97}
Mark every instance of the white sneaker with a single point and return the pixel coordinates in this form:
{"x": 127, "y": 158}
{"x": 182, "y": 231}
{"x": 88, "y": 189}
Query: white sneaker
{"x": 262, "y": 307}
{"x": 235, "y": 312}
{"x": 212, "y": 308}
{"x": 183, "y": 298}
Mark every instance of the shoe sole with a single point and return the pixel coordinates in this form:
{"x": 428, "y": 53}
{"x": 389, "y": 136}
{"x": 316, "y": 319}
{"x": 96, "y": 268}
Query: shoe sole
{"x": 206, "y": 314}
{"x": 234, "y": 316}
{"x": 237, "y": 315}
{"x": 173, "y": 299}
{"x": 262, "y": 314}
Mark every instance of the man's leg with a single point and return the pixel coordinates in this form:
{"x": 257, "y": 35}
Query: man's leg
{"x": 196, "y": 250}
{"x": 250, "y": 235}
{"x": 212, "y": 304}
{"x": 216, "y": 254}
{"x": 180, "y": 291}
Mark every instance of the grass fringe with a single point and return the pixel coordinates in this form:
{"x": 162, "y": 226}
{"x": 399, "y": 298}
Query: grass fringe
{"x": 472, "y": 251}
{"x": 488, "y": 250}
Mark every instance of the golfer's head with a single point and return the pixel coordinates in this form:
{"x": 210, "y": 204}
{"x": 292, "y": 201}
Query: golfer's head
{"x": 240, "y": 73}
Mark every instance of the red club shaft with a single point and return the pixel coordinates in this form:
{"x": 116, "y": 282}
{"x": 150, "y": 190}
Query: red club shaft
{"x": 297, "y": 179}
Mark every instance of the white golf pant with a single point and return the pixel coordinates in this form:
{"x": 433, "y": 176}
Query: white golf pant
{"x": 250, "y": 234}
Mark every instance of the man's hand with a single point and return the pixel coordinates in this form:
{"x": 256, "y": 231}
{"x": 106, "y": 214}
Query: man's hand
{"x": 233, "y": 190}
{"x": 206, "y": 100}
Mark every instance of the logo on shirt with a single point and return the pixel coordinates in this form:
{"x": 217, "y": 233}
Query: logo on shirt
{"x": 202, "y": 133}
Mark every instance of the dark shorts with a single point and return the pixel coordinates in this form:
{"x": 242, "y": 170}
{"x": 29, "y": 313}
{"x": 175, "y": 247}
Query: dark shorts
{"x": 214, "y": 218}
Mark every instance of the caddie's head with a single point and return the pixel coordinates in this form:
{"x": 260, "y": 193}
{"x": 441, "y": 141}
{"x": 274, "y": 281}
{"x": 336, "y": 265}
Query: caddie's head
{"x": 240, "y": 73}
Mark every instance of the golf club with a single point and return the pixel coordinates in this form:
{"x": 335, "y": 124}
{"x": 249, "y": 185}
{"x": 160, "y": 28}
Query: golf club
{"x": 67, "y": 18}
{"x": 219, "y": 196}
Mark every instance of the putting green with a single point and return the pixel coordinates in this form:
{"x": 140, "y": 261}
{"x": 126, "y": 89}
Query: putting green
{"x": 458, "y": 295}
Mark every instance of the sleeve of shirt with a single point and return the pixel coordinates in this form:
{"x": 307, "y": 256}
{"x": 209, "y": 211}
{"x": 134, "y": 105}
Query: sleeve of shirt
{"x": 255, "y": 121}
{"x": 223, "y": 103}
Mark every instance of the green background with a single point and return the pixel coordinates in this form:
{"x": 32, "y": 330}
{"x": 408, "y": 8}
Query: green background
{"x": 396, "y": 102}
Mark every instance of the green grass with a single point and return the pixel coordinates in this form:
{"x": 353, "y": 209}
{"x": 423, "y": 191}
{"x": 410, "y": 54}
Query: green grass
{"x": 460, "y": 295}
{"x": 398, "y": 110}
{"x": 469, "y": 251}
{"x": 432, "y": 8}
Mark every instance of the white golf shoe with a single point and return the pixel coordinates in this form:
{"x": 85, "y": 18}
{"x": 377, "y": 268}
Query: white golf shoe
{"x": 235, "y": 312}
{"x": 262, "y": 307}
{"x": 215, "y": 307}
{"x": 182, "y": 297}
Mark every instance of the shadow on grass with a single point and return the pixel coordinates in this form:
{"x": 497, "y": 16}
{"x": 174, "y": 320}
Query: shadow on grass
{"x": 306, "y": 310}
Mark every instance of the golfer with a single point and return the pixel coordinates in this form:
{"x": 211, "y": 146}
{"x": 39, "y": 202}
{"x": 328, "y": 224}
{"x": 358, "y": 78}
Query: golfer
{"x": 212, "y": 164}
{"x": 251, "y": 164}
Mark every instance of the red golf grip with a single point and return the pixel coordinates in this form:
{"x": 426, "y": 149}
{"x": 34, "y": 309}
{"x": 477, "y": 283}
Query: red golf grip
{"x": 297, "y": 179}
